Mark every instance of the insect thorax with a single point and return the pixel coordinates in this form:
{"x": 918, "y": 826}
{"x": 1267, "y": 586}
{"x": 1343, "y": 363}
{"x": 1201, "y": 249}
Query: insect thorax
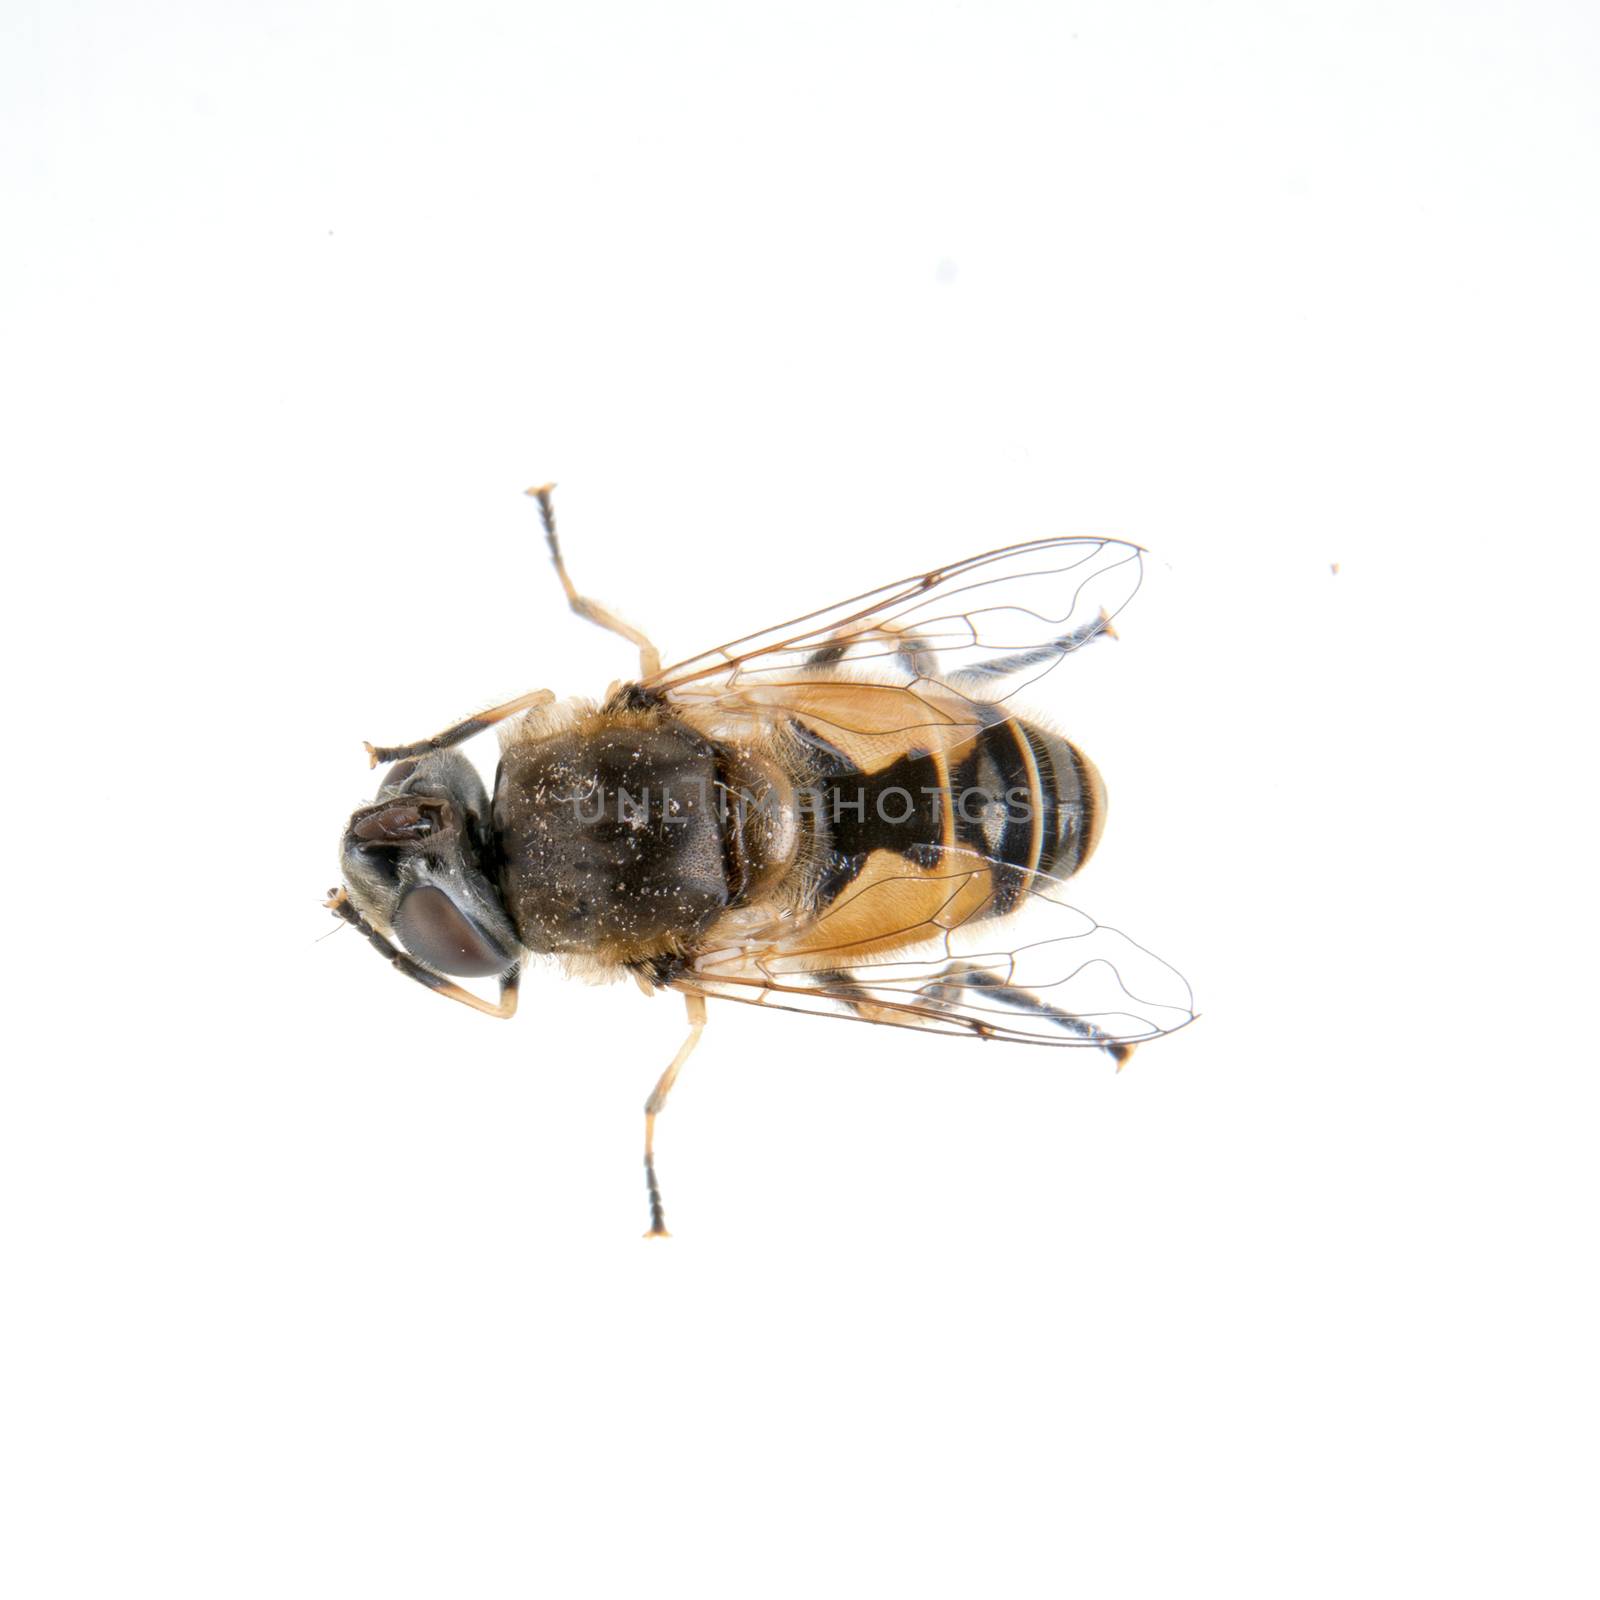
{"x": 618, "y": 838}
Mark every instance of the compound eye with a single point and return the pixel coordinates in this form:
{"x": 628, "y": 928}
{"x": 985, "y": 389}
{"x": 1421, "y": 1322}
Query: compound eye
{"x": 397, "y": 775}
{"x": 434, "y": 929}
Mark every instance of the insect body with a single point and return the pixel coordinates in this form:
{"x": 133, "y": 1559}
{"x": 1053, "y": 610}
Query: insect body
{"x": 840, "y": 815}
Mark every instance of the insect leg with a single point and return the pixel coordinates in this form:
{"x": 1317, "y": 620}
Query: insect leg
{"x": 592, "y": 610}
{"x": 379, "y": 755}
{"x": 912, "y": 652}
{"x": 696, "y": 1006}
{"x": 948, "y": 991}
{"x": 1004, "y": 666}
{"x": 338, "y": 902}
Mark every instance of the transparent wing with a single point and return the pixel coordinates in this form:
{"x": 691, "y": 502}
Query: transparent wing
{"x": 1048, "y": 974}
{"x": 985, "y": 627}
{"x": 937, "y": 653}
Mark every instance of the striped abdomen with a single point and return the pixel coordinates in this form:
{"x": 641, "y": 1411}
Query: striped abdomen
{"x": 943, "y": 834}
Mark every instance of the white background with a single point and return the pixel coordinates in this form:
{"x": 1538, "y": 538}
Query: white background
{"x": 317, "y": 1286}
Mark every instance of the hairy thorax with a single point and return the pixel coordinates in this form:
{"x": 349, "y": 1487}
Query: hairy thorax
{"x": 625, "y": 834}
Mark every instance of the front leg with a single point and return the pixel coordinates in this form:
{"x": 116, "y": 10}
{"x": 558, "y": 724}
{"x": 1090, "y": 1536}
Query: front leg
{"x": 380, "y": 755}
{"x": 339, "y": 903}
